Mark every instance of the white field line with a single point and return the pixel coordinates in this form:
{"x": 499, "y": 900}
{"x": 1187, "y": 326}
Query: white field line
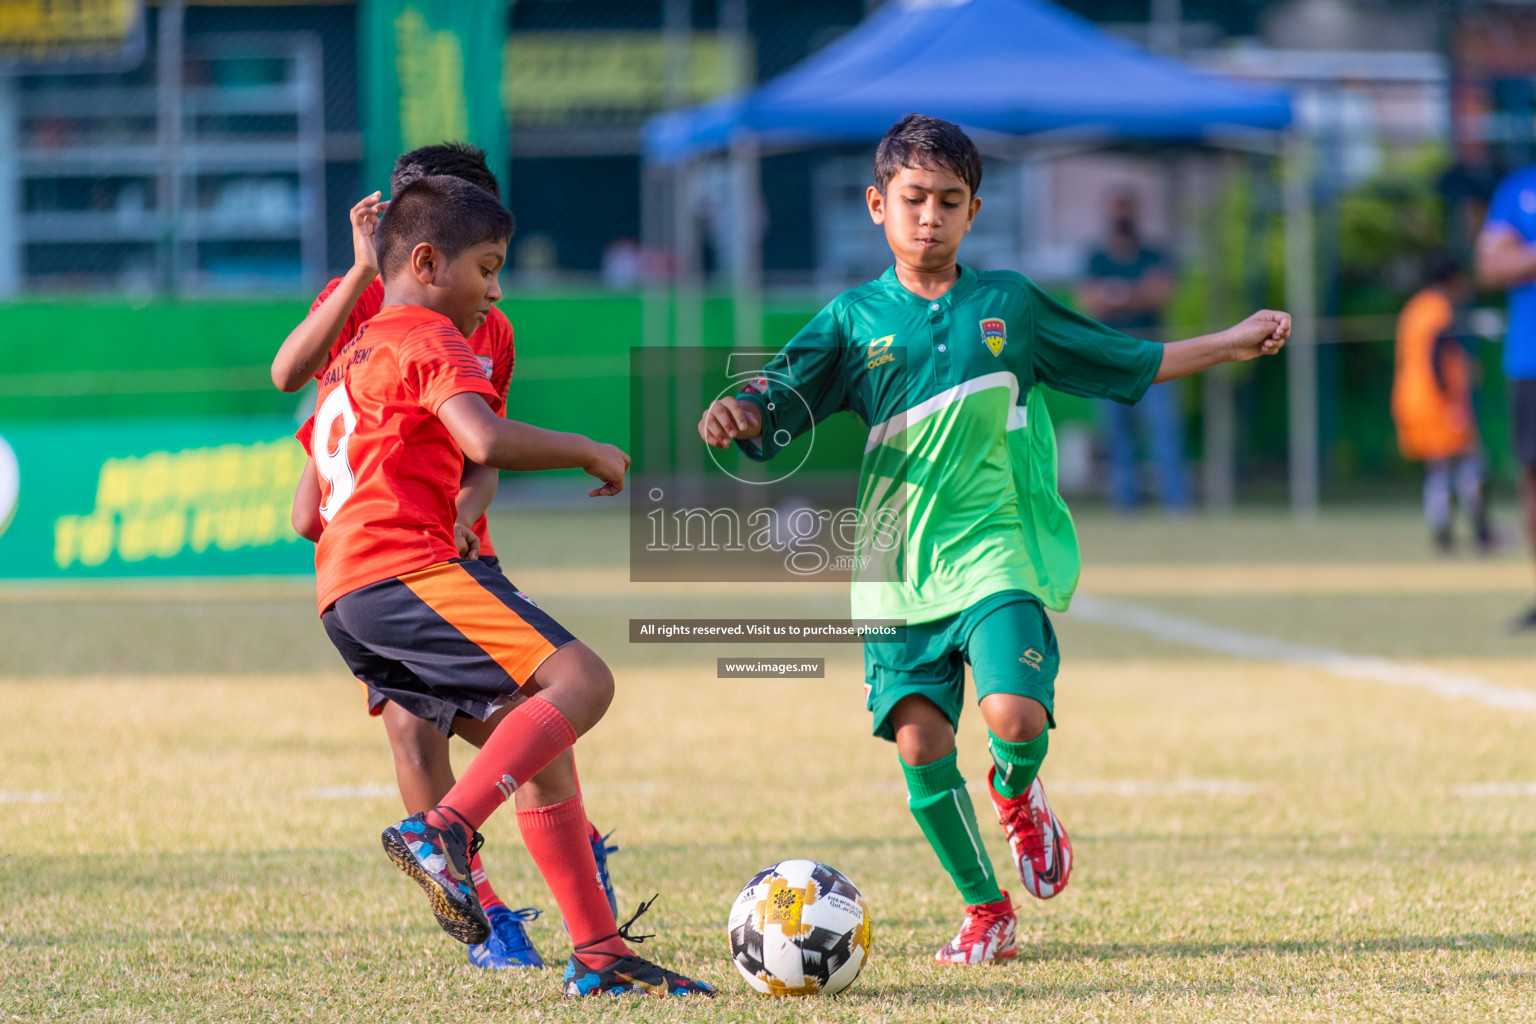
{"x": 33, "y": 796}
{"x": 624, "y": 788}
{"x": 1494, "y": 789}
{"x": 1151, "y": 787}
{"x": 366, "y": 791}
{"x": 1113, "y": 787}
{"x": 1176, "y": 628}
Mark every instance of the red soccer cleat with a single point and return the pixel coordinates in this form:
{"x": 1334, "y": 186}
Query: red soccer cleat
{"x": 1041, "y": 850}
{"x": 987, "y": 935}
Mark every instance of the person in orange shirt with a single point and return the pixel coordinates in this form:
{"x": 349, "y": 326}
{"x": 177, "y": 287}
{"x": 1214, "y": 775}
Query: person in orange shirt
{"x": 1432, "y": 405}
{"x": 403, "y": 407}
{"x": 419, "y": 742}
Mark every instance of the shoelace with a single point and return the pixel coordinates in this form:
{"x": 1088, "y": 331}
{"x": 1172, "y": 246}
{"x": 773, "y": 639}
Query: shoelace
{"x": 524, "y": 913}
{"x": 623, "y": 932}
{"x": 1024, "y": 824}
{"x": 601, "y": 848}
{"x": 476, "y": 839}
{"x": 978, "y": 920}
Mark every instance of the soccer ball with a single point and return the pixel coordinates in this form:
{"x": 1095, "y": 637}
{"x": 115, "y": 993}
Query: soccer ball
{"x": 799, "y": 928}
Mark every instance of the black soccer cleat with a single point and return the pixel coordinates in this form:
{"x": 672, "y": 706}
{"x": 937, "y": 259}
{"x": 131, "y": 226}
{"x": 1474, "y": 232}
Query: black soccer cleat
{"x": 628, "y": 974}
{"x": 438, "y": 861}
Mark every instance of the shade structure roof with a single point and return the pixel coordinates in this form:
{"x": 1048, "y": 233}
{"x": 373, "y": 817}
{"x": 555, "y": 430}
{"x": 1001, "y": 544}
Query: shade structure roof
{"x": 1010, "y": 67}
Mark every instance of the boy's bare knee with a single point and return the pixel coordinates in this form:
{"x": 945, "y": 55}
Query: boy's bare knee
{"x": 923, "y": 732}
{"x": 415, "y": 742}
{"x": 578, "y": 683}
{"x": 1012, "y": 718}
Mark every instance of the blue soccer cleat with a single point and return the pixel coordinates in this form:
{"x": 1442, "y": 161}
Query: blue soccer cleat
{"x": 438, "y": 861}
{"x": 509, "y": 945}
{"x": 600, "y": 852}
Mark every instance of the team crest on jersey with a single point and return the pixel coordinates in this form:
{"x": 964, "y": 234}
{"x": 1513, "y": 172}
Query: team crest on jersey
{"x": 880, "y": 351}
{"x": 486, "y": 365}
{"x": 995, "y": 333}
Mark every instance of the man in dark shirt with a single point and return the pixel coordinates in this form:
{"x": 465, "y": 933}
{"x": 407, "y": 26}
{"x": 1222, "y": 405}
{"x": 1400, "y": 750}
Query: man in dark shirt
{"x": 1126, "y": 287}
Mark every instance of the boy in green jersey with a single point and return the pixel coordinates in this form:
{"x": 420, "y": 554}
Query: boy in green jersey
{"x": 942, "y": 362}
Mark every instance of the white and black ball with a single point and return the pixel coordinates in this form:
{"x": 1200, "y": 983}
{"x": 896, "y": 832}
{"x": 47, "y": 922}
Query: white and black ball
{"x": 799, "y": 928}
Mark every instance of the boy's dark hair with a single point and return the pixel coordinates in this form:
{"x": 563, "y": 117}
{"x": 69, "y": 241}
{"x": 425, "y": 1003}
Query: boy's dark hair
{"x": 1443, "y": 268}
{"x": 448, "y": 212}
{"x": 930, "y": 143}
{"x": 455, "y": 159}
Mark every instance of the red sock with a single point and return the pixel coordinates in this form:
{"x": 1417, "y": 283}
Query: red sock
{"x": 488, "y": 897}
{"x": 593, "y": 835}
{"x": 534, "y": 734}
{"x": 556, "y": 837}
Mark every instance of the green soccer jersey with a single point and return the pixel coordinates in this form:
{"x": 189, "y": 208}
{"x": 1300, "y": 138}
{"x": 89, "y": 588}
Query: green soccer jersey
{"x": 960, "y": 448}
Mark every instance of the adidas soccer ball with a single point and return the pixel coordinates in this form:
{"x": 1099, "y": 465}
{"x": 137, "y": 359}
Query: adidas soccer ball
{"x": 799, "y": 928}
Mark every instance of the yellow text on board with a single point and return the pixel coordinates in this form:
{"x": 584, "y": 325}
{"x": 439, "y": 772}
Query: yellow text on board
{"x": 166, "y": 504}
{"x": 429, "y": 65}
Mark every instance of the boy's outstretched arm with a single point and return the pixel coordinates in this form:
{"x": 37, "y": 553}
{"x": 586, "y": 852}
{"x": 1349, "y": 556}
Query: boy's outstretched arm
{"x": 1262, "y": 334}
{"x": 492, "y": 441}
{"x": 308, "y": 345}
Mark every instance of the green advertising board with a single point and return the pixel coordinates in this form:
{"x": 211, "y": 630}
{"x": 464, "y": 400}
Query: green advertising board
{"x": 431, "y": 73}
{"x": 186, "y": 497}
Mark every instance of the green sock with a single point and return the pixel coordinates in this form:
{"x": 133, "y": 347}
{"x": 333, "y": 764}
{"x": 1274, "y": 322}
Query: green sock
{"x": 941, "y": 804}
{"x": 1017, "y": 763}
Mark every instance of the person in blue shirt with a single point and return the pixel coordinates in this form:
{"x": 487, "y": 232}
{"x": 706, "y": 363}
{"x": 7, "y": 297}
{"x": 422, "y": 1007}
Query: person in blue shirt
{"x": 1126, "y": 286}
{"x": 1506, "y": 258}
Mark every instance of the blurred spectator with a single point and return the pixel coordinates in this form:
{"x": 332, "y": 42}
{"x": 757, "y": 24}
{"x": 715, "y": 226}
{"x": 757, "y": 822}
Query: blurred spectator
{"x": 1432, "y": 404}
{"x": 1126, "y": 287}
{"x": 623, "y": 264}
{"x": 1506, "y": 258}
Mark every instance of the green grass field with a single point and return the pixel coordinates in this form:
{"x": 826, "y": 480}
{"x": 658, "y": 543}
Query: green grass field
{"x": 190, "y": 798}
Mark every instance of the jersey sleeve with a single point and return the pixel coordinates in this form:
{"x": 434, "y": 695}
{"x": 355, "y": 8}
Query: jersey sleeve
{"x": 801, "y": 386}
{"x": 1078, "y": 355}
{"x": 436, "y": 363}
{"x": 362, "y": 311}
{"x": 306, "y": 435}
{"x": 503, "y": 358}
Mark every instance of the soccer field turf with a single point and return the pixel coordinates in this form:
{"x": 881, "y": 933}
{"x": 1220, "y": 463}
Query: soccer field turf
{"x": 192, "y": 797}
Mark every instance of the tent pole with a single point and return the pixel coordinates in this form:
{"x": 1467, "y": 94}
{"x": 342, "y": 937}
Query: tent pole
{"x": 1301, "y": 350}
{"x": 648, "y": 394}
{"x": 747, "y": 242}
{"x": 689, "y": 330}
{"x": 653, "y": 241}
{"x": 688, "y": 335}
{"x": 1218, "y": 412}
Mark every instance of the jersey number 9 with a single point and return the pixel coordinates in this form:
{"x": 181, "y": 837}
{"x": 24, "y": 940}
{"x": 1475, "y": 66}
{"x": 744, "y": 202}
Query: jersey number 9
{"x": 332, "y": 464}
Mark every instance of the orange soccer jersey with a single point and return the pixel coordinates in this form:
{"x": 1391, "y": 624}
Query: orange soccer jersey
{"x": 389, "y": 470}
{"x": 1432, "y": 386}
{"x": 492, "y": 345}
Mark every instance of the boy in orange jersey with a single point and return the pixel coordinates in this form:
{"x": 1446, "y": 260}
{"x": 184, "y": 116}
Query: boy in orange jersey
{"x": 419, "y": 742}
{"x": 1432, "y": 406}
{"x": 402, "y": 406}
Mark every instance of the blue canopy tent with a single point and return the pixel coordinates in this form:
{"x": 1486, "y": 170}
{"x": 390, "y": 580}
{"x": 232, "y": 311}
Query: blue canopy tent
{"x": 1009, "y": 71}
{"x": 1010, "y": 67}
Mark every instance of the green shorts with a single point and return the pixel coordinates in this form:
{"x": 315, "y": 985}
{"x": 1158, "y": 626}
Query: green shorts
{"x": 1005, "y": 638}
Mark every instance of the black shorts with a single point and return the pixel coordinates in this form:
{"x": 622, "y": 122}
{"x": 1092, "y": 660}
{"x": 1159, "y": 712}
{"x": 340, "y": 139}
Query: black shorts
{"x": 455, "y": 638}
{"x": 1522, "y": 409}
